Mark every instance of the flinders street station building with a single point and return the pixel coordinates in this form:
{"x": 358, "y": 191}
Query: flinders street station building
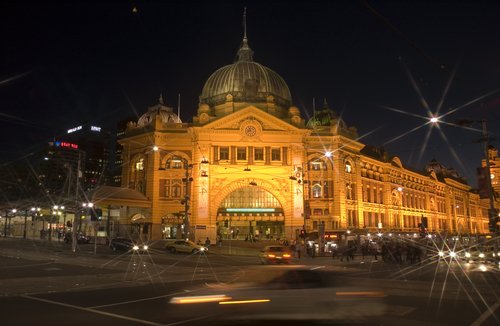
{"x": 250, "y": 165}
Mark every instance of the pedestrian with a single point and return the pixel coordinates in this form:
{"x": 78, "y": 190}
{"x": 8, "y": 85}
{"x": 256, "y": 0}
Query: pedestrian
{"x": 364, "y": 250}
{"x": 334, "y": 251}
{"x": 298, "y": 249}
{"x": 207, "y": 242}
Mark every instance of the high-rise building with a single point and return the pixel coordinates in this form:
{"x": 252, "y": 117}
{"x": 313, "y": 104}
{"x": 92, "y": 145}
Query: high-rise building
{"x": 95, "y": 142}
{"x": 57, "y": 169}
{"x": 116, "y": 171}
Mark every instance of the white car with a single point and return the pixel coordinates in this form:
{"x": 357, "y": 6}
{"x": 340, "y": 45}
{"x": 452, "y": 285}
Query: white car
{"x": 185, "y": 246}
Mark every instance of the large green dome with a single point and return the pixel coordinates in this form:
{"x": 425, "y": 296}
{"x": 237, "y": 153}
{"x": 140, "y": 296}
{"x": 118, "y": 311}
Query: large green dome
{"x": 246, "y": 81}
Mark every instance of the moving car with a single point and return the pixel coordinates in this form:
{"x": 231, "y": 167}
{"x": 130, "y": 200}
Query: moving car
{"x": 282, "y": 295}
{"x": 185, "y": 246}
{"x": 275, "y": 254}
{"x": 125, "y": 244}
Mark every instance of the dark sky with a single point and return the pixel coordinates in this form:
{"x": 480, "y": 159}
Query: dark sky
{"x": 64, "y": 63}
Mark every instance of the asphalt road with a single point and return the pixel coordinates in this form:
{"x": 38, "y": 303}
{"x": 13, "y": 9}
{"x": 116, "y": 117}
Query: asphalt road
{"x": 47, "y": 284}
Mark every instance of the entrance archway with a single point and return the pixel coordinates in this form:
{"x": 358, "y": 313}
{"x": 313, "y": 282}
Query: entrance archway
{"x": 250, "y": 212}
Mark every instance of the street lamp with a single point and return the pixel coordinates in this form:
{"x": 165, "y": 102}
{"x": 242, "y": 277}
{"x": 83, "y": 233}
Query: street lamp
{"x": 187, "y": 182}
{"x": 299, "y": 176}
{"x": 34, "y": 212}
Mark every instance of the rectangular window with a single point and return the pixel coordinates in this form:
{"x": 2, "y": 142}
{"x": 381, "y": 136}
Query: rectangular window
{"x": 176, "y": 188}
{"x": 258, "y": 154}
{"x": 162, "y": 188}
{"x": 317, "y": 211}
{"x": 276, "y": 154}
{"x": 241, "y": 154}
{"x": 224, "y": 154}
{"x": 176, "y": 163}
{"x": 316, "y": 166}
{"x": 326, "y": 189}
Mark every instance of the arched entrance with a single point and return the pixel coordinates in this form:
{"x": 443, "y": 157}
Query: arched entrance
{"x": 250, "y": 212}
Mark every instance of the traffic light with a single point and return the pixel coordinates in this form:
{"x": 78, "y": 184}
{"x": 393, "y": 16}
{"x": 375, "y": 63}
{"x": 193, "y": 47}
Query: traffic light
{"x": 96, "y": 214}
{"x": 493, "y": 220}
{"x": 302, "y": 233}
{"x": 424, "y": 222}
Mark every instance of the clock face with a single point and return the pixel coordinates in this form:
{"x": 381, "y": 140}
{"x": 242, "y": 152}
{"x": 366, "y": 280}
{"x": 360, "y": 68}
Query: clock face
{"x": 250, "y": 131}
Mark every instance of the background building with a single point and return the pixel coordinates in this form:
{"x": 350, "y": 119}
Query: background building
{"x": 95, "y": 142}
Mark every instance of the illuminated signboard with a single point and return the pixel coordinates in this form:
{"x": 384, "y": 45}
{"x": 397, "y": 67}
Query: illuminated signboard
{"x": 250, "y": 210}
{"x": 65, "y": 144}
{"x": 94, "y": 128}
{"x": 74, "y": 129}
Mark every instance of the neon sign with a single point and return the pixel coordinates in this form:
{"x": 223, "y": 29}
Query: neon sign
{"x": 74, "y": 129}
{"x": 94, "y": 128}
{"x": 66, "y": 144}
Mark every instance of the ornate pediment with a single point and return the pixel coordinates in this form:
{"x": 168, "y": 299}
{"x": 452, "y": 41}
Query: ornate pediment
{"x": 250, "y": 121}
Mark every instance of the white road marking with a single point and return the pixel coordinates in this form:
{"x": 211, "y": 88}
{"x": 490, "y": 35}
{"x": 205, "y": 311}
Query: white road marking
{"x": 93, "y": 311}
{"x": 486, "y": 314}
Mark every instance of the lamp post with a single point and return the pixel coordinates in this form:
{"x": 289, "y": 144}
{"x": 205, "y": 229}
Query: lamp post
{"x": 57, "y": 212}
{"x": 300, "y": 178}
{"x": 26, "y": 220}
{"x": 7, "y": 218}
{"x": 34, "y": 212}
{"x": 187, "y": 182}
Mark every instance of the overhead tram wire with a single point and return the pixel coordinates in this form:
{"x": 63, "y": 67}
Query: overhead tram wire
{"x": 406, "y": 38}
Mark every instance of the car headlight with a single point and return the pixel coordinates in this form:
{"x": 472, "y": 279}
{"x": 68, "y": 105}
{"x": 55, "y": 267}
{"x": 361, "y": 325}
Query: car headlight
{"x": 203, "y": 249}
{"x": 135, "y": 247}
{"x": 481, "y": 255}
{"x": 145, "y": 247}
{"x": 467, "y": 254}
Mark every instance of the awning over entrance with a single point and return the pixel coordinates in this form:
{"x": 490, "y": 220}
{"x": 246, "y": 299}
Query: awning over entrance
{"x": 139, "y": 218}
{"x": 120, "y": 196}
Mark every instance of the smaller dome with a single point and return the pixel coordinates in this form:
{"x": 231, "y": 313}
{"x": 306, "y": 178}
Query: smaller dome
{"x": 158, "y": 111}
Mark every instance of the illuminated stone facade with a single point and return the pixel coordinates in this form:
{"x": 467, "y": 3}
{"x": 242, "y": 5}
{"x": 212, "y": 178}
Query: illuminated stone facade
{"x": 252, "y": 166}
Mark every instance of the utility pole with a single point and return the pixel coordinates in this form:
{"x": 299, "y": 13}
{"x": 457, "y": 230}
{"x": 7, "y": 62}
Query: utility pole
{"x": 5, "y": 224}
{"x": 187, "y": 180}
{"x": 77, "y": 217}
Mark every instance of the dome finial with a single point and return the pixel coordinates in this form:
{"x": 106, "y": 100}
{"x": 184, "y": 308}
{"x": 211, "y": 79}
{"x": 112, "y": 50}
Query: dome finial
{"x": 160, "y": 100}
{"x": 245, "y": 53}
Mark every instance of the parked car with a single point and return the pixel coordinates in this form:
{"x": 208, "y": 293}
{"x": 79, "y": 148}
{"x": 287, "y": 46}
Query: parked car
{"x": 185, "y": 246}
{"x": 80, "y": 238}
{"x": 126, "y": 244}
{"x": 275, "y": 255}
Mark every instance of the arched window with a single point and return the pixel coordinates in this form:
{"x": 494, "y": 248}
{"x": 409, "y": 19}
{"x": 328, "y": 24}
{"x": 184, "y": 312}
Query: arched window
{"x": 250, "y": 197}
{"x": 316, "y": 189}
{"x": 137, "y": 179}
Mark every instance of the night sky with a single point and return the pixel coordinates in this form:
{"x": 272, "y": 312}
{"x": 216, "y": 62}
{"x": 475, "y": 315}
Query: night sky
{"x": 379, "y": 64}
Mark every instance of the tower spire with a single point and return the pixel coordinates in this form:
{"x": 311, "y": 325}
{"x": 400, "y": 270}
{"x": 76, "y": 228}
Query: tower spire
{"x": 245, "y": 53}
{"x": 245, "y": 23}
